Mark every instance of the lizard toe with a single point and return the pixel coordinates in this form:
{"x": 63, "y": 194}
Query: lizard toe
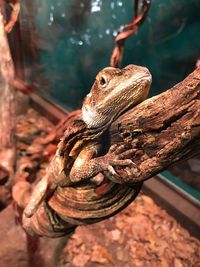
{"x": 124, "y": 162}
{"x": 122, "y": 149}
{"x": 113, "y": 175}
{"x": 113, "y": 148}
{"x": 127, "y": 154}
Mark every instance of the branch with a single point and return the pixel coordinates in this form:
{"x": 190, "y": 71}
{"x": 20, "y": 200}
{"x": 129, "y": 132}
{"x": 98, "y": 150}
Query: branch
{"x": 163, "y": 129}
{"x": 15, "y": 5}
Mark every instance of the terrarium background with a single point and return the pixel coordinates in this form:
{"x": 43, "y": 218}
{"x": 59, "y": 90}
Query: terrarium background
{"x": 66, "y": 43}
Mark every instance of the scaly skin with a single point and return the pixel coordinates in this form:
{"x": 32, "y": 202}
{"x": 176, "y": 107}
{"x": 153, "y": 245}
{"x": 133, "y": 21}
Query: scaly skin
{"x": 114, "y": 91}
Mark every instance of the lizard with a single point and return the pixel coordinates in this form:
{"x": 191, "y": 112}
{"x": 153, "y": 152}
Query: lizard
{"x": 81, "y": 155}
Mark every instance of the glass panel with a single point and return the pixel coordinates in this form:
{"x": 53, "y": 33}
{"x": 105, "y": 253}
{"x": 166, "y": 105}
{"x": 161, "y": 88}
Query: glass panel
{"x": 188, "y": 172}
{"x": 66, "y": 42}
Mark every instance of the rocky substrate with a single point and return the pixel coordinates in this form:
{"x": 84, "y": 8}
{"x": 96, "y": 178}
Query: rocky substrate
{"x": 142, "y": 235}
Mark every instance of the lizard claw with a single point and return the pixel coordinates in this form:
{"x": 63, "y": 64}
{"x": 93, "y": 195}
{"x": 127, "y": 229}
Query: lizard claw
{"x": 113, "y": 148}
{"x": 112, "y": 170}
{"x": 114, "y": 176}
{"x": 123, "y": 162}
{"x": 119, "y": 156}
{"x": 118, "y": 149}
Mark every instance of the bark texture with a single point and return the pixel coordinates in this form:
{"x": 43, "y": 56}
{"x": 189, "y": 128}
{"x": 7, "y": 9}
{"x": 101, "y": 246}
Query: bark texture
{"x": 7, "y": 107}
{"x": 163, "y": 129}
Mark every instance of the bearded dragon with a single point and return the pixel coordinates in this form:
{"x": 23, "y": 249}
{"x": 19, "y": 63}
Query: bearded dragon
{"x": 83, "y": 154}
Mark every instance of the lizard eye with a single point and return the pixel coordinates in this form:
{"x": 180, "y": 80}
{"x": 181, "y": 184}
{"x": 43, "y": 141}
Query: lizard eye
{"x": 103, "y": 81}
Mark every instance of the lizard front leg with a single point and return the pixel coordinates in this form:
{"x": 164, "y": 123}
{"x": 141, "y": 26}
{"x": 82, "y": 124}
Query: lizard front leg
{"x": 84, "y": 168}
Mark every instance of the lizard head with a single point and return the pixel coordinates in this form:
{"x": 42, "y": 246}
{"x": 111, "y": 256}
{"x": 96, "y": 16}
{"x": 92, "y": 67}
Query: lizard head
{"x": 113, "y": 92}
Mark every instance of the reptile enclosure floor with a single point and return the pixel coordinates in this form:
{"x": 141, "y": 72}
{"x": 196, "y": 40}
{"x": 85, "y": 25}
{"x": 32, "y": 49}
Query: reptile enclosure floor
{"x": 141, "y": 235}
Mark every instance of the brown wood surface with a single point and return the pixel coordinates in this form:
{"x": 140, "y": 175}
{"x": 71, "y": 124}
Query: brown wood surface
{"x": 163, "y": 129}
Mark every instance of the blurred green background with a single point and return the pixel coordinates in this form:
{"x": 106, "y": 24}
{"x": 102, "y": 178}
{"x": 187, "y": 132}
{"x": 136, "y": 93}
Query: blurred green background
{"x": 66, "y": 43}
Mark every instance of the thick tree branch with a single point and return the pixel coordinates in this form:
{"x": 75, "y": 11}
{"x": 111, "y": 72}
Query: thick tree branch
{"x": 163, "y": 129}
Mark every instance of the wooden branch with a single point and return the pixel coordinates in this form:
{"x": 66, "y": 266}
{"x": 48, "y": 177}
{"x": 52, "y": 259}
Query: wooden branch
{"x": 15, "y": 5}
{"x": 163, "y": 129}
